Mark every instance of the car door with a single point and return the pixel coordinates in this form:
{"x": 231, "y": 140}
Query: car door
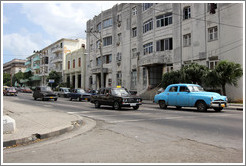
{"x": 172, "y": 95}
{"x": 183, "y": 96}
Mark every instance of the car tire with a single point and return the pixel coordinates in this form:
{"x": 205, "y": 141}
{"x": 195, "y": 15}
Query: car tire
{"x": 35, "y": 98}
{"x": 135, "y": 107}
{"x": 201, "y": 106}
{"x": 218, "y": 109}
{"x": 42, "y": 99}
{"x": 178, "y": 107}
{"x": 162, "y": 104}
{"x": 55, "y": 99}
{"x": 116, "y": 105}
{"x": 97, "y": 105}
{"x": 80, "y": 99}
{"x": 70, "y": 99}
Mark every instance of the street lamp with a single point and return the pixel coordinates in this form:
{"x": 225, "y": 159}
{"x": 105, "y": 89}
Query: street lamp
{"x": 101, "y": 55}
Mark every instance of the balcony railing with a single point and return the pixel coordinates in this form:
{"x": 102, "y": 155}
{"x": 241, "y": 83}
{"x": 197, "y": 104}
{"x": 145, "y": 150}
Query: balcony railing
{"x": 27, "y": 63}
{"x": 28, "y": 69}
{"x": 36, "y": 59}
{"x": 36, "y": 67}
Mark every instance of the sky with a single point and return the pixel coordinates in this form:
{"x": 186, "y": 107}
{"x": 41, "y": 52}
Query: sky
{"x": 28, "y": 26}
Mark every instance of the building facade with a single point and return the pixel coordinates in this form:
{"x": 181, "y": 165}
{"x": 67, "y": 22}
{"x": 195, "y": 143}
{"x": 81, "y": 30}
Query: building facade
{"x": 140, "y": 42}
{"x": 14, "y": 66}
{"x": 74, "y": 72}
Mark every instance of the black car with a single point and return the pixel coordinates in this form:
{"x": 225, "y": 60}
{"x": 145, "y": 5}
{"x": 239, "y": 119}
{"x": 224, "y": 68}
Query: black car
{"x": 116, "y": 97}
{"x": 44, "y": 92}
{"x": 79, "y": 94}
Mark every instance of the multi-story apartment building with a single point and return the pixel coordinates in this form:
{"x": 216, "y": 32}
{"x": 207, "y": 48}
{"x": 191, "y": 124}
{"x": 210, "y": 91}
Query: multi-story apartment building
{"x": 75, "y": 68}
{"x": 140, "y": 42}
{"x": 14, "y": 66}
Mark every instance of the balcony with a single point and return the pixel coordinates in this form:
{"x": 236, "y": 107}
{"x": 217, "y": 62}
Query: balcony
{"x": 36, "y": 67}
{"x": 27, "y": 63}
{"x": 156, "y": 58}
{"x": 56, "y": 49}
{"x": 98, "y": 70}
{"x": 57, "y": 60}
{"x": 36, "y": 59}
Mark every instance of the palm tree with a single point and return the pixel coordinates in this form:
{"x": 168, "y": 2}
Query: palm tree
{"x": 227, "y": 73}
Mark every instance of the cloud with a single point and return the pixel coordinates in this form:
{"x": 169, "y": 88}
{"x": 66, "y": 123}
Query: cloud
{"x": 63, "y": 20}
{"x": 23, "y": 44}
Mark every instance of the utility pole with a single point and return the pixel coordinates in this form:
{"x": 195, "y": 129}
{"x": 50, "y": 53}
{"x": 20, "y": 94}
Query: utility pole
{"x": 101, "y": 55}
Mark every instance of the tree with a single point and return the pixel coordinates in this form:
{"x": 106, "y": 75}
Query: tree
{"x": 28, "y": 75}
{"x": 17, "y": 77}
{"x": 193, "y": 73}
{"x": 227, "y": 73}
{"x": 172, "y": 77}
{"x": 54, "y": 76}
{"x": 6, "y": 79}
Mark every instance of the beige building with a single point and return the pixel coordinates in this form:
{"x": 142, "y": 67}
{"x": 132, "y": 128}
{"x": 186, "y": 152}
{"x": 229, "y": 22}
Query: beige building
{"x": 74, "y": 73}
{"x": 141, "y": 41}
{"x": 14, "y": 66}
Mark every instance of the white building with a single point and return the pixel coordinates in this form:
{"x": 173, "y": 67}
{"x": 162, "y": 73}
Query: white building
{"x": 143, "y": 41}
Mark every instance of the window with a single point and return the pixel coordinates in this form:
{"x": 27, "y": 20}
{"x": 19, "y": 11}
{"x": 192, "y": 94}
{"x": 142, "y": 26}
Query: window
{"x": 187, "y": 40}
{"x": 169, "y": 68}
{"x": 173, "y": 89}
{"x": 134, "y": 32}
{"x": 108, "y": 58}
{"x": 147, "y": 5}
{"x": 118, "y": 57}
{"x": 183, "y": 89}
{"x": 107, "y": 41}
{"x": 119, "y": 78}
{"x": 164, "y": 20}
{"x": 107, "y": 23}
{"x": 98, "y": 44}
{"x": 119, "y": 39}
{"x": 98, "y": 61}
{"x": 212, "y": 64}
{"x": 99, "y": 27}
{"x": 164, "y": 44}
{"x": 109, "y": 84}
{"x": 211, "y": 7}
{"x": 74, "y": 63}
{"x": 68, "y": 65}
{"x": 187, "y": 13}
{"x": 148, "y": 48}
{"x": 133, "y": 79}
{"x": 134, "y": 10}
{"x": 79, "y": 62}
{"x": 212, "y": 33}
{"x": 147, "y": 26}
{"x": 144, "y": 77}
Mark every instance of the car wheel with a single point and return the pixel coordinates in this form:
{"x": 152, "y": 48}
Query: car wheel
{"x": 42, "y": 99}
{"x": 97, "y": 105}
{"x": 178, "y": 107}
{"x": 59, "y": 95}
{"x": 162, "y": 104}
{"x": 116, "y": 105}
{"x": 136, "y": 107}
{"x": 55, "y": 99}
{"x": 218, "y": 109}
{"x": 80, "y": 99}
{"x": 201, "y": 106}
{"x": 35, "y": 98}
{"x": 71, "y": 99}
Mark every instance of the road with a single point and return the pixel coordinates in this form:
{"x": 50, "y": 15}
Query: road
{"x": 147, "y": 135}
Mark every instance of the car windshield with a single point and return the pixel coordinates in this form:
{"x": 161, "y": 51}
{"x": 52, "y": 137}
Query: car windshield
{"x": 66, "y": 90}
{"x": 81, "y": 91}
{"x": 46, "y": 89}
{"x": 195, "y": 89}
{"x": 11, "y": 88}
{"x": 119, "y": 92}
{"x": 27, "y": 88}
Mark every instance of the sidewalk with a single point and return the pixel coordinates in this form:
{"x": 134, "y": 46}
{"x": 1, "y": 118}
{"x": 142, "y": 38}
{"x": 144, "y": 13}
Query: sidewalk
{"x": 232, "y": 106}
{"x": 33, "y": 123}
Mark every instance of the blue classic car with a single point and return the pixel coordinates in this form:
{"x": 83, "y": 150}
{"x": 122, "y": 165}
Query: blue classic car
{"x": 190, "y": 95}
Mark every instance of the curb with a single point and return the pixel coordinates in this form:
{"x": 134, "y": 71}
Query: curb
{"x": 37, "y": 136}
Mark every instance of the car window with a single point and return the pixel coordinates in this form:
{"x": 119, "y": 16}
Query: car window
{"x": 102, "y": 91}
{"x": 195, "y": 89}
{"x": 38, "y": 88}
{"x": 183, "y": 89}
{"x": 108, "y": 91}
{"x": 173, "y": 89}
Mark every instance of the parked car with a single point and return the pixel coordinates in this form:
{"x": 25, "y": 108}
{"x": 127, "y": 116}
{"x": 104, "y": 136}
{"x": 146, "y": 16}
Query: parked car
{"x": 26, "y": 90}
{"x": 9, "y": 91}
{"x": 116, "y": 97}
{"x": 190, "y": 95}
{"x": 79, "y": 94}
{"x": 63, "y": 92}
{"x": 44, "y": 92}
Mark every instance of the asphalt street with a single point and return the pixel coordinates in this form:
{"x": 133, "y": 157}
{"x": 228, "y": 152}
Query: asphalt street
{"x": 147, "y": 135}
